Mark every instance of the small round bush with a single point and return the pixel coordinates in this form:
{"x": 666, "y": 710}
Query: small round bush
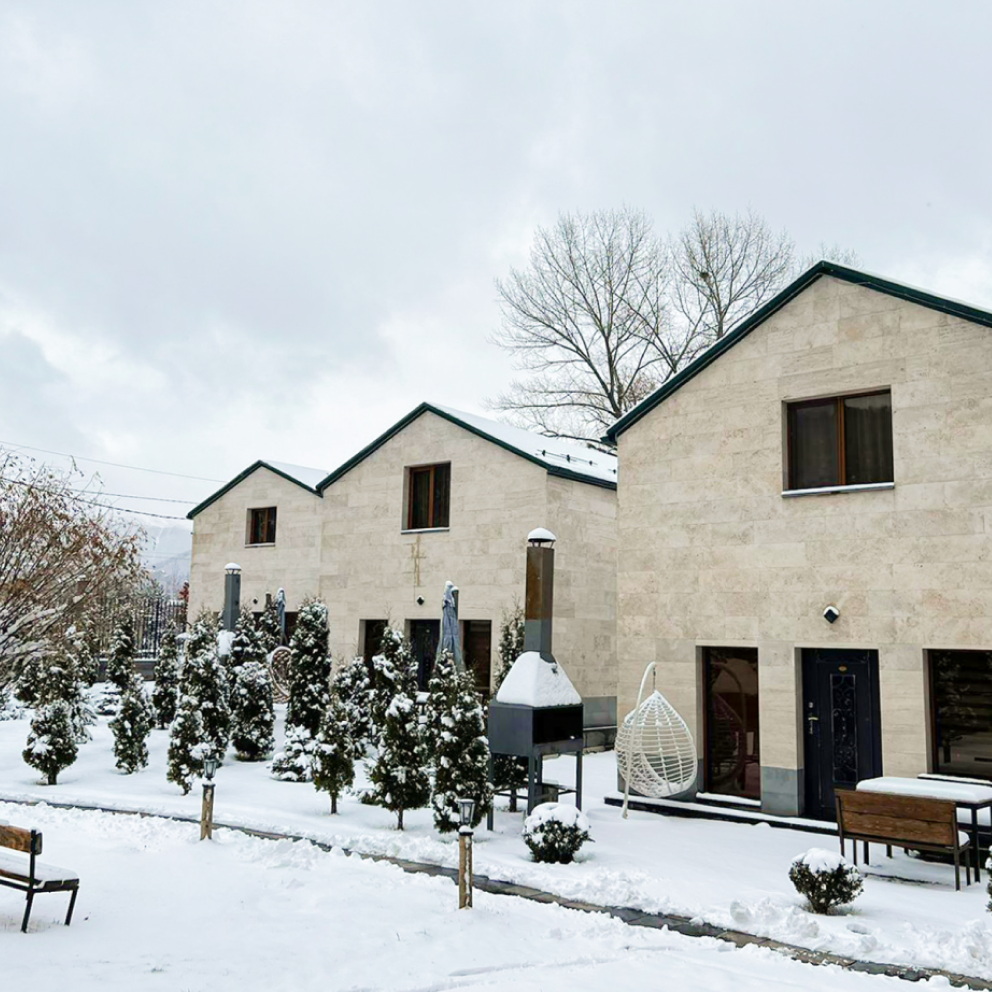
{"x": 826, "y": 879}
{"x": 554, "y": 832}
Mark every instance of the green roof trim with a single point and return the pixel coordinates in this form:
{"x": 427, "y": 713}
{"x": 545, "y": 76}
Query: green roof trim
{"x": 241, "y": 478}
{"x": 858, "y": 278}
{"x": 369, "y": 449}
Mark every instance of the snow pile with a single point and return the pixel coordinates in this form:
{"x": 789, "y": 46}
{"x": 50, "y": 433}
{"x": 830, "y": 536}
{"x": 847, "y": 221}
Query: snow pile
{"x": 818, "y": 859}
{"x": 546, "y": 813}
{"x": 225, "y": 638}
{"x": 532, "y": 681}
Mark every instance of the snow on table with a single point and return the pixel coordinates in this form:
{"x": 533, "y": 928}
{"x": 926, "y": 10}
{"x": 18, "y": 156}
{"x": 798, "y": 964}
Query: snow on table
{"x": 927, "y": 789}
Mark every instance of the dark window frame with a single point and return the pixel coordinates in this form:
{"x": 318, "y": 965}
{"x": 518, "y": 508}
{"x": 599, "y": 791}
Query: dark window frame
{"x": 838, "y": 401}
{"x": 934, "y": 724}
{"x": 433, "y": 523}
{"x": 710, "y": 656}
{"x": 259, "y": 526}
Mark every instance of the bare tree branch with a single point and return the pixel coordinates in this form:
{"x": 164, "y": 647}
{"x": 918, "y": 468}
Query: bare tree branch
{"x": 58, "y": 554}
{"x": 605, "y": 311}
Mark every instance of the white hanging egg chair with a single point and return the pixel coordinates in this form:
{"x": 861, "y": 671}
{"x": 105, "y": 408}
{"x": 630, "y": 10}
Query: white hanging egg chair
{"x": 656, "y": 754}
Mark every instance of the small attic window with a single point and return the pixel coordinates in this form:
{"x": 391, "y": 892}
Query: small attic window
{"x": 429, "y": 497}
{"x": 261, "y": 526}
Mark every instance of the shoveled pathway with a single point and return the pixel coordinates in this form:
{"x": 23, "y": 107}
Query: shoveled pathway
{"x": 632, "y": 917}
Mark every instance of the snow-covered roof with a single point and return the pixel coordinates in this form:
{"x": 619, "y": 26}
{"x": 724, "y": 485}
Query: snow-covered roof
{"x": 532, "y": 681}
{"x": 305, "y": 477}
{"x": 310, "y": 477}
{"x": 554, "y": 452}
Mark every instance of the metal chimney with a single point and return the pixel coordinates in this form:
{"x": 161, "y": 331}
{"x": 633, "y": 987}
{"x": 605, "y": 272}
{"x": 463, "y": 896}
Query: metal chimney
{"x": 539, "y": 593}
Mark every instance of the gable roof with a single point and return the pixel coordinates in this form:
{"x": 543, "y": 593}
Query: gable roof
{"x": 305, "y": 478}
{"x": 559, "y": 458}
{"x": 855, "y": 276}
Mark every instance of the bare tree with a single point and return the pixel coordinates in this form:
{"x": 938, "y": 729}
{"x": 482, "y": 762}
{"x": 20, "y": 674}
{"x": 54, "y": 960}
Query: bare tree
{"x": 588, "y": 321}
{"x": 58, "y": 553}
{"x": 724, "y": 268}
{"x": 605, "y": 312}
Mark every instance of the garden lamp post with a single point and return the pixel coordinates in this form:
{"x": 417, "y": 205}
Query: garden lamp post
{"x": 207, "y": 811}
{"x": 466, "y": 812}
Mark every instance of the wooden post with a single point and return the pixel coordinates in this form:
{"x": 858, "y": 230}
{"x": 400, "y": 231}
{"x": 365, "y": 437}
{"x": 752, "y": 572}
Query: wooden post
{"x": 465, "y": 868}
{"x": 207, "y": 812}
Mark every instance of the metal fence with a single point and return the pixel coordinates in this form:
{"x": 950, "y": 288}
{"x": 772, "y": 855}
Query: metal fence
{"x": 151, "y": 616}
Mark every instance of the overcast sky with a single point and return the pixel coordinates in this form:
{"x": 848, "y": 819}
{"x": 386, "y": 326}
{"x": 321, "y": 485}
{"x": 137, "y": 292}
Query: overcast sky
{"x": 239, "y": 230}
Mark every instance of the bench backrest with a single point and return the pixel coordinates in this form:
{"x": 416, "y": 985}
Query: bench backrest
{"x": 899, "y": 818}
{"x": 19, "y": 839}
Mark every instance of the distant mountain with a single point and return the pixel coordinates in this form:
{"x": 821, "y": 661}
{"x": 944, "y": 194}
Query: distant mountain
{"x": 167, "y": 550}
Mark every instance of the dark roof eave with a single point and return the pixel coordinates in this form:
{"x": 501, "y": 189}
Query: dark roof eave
{"x": 429, "y": 408}
{"x": 794, "y": 288}
{"x": 241, "y": 478}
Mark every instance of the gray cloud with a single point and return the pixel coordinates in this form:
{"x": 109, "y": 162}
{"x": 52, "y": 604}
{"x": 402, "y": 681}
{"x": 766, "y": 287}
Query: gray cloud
{"x": 244, "y": 229}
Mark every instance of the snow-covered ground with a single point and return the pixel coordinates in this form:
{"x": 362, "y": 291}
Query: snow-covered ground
{"x": 727, "y": 874}
{"x": 159, "y": 910}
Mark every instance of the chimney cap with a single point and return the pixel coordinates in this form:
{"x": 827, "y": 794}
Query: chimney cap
{"x": 541, "y": 535}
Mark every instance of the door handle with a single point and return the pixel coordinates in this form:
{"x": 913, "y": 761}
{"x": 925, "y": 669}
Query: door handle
{"x": 811, "y": 720}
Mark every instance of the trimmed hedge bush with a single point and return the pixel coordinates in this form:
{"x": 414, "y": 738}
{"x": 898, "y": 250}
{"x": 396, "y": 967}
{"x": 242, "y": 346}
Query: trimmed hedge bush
{"x": 826, "y": 879}
{"x": 554, "y": 832}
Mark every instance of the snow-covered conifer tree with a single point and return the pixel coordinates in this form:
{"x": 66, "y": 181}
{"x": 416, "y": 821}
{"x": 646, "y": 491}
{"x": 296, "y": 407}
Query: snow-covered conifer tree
{"x": 75, "y": 658}
{"x": 393, "y": 664}
{"x": 399, "y": 773}
{"x": 247, "y": 643}
{"x": 334, "y": 752}
{"x": 353, "y": 687}
{"x": 131, "y": 728}
{"x": 294, "y": 763}
{"x": 204, "y": 679}
{"x": 164, "y": 695}
{"x": 187, "y": 745}
{"x": 456, "y": 727}
{"x": 268, "y": 628}
{"x": 51, "y": 745}
{"x": 252, "y": 711}
{"x": 120, "y": 663}
{"x": 309, "y": 669}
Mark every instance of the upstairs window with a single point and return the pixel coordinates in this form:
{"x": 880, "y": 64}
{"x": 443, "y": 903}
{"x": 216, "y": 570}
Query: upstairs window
{"x": 841, "y": 441}
{"x": 262, "y": 526}
{"x": 430, "y": 497}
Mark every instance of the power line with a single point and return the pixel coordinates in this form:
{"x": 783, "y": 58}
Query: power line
{"x": 90, "y": 502}
{"x": 133, "y": 468}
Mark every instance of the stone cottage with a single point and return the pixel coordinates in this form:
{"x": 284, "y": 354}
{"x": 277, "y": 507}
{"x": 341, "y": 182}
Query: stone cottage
{"x": 441, "y": 495}
{"x": 805, "y": 543}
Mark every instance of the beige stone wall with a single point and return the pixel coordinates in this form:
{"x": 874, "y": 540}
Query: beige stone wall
{"x": 711, "y": 553}
{"x": 372, "y": 569}
{"x": 584, "y": 519}
{"x": 219, "y": 534}
{"x": 350, "y": 547}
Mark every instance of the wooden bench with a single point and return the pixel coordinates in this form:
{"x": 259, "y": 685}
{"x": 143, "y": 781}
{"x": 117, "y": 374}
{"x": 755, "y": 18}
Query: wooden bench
{"x": 28, "y": 875}
{"x": 909, "y": 822}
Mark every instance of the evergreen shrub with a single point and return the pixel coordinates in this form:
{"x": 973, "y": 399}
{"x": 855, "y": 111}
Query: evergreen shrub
{"x": 826, "y": 879}
{"x": 554, "y": 832}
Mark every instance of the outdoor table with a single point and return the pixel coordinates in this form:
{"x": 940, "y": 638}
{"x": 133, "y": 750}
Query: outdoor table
{"x": 963, "y": 795}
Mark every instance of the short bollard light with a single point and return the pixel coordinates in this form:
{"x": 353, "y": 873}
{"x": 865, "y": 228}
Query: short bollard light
{"x": 466, "y": 813}
{"x": 207, "y": 811}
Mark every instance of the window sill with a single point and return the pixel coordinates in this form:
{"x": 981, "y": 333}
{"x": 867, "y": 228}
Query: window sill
{"x": 425, "y": 530}
{"x": 828, "y": 490}
{"x": 270, "y": 544}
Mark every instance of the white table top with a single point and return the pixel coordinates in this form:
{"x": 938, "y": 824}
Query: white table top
{"x": 927, "y": 788}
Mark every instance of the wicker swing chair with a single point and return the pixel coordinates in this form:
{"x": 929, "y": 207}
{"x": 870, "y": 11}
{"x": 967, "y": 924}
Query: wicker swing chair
{"x": 656, "y": 754}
